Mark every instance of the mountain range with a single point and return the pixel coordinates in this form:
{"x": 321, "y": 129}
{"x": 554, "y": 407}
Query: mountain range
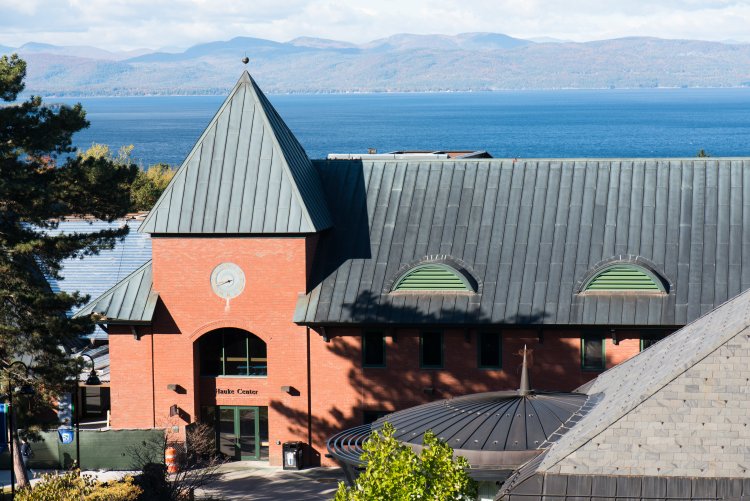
{"x": 399, "y": 63}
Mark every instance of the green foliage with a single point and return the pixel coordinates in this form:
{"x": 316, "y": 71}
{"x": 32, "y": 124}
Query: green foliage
{"x": 395, "y": 472}
{"x": 72, "y": 486}
{"x": 148, "y": 184}
{"x": 702, "y": 154}
{"x": 41, "y": 182}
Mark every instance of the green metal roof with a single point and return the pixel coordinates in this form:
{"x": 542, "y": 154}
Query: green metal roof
{"x": 624, "y": 277}
{"x": 131, "y": 301}
{"x": 246, "y": 174}
{"x": 431, "y": 277}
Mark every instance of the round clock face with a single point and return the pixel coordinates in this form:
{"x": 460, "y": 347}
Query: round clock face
{"x": 227, "y": 280}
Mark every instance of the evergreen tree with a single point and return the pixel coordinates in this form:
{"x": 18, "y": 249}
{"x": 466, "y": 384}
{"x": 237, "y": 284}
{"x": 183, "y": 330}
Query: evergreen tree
{"x": 41, "y": 182}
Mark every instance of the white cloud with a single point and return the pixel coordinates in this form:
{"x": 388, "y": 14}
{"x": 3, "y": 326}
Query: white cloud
{"x": 124, "y": 24}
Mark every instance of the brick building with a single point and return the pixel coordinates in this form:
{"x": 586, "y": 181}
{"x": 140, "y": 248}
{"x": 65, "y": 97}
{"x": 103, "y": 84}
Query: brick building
{"x": 287, "y": 299}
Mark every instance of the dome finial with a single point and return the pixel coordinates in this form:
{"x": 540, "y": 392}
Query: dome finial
{"x": 245, "y": 59}
{"x": 524, "y": 389}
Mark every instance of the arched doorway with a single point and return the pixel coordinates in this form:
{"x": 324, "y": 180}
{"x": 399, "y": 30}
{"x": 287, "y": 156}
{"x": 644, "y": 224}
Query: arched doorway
{"x": 241, "y": 429}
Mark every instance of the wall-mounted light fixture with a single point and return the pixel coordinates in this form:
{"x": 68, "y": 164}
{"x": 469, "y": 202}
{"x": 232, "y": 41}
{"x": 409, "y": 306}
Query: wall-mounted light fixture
{"x": 174, "y": 411}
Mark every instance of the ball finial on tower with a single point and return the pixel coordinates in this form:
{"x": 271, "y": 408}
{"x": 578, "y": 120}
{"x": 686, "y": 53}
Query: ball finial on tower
{"x": 245, "y": 60}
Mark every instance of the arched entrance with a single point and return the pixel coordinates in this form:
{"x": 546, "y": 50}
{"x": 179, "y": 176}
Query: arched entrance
{"x": 241, "y": 423}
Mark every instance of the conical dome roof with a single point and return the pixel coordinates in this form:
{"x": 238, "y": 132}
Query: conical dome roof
{"x": 497, "y": 430}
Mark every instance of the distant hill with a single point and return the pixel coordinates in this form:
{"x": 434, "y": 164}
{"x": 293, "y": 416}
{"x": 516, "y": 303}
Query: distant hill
{"x": 403, "y": 63}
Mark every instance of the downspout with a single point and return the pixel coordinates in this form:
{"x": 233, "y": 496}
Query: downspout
{"x": 309, "y": 398}
{"x": 153, "y": 383}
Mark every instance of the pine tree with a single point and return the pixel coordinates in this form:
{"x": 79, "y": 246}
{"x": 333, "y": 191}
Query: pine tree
{"x": 41, "y": 182}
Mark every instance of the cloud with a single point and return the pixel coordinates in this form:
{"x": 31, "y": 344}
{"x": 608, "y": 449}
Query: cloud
{"x": 126, "y": 24}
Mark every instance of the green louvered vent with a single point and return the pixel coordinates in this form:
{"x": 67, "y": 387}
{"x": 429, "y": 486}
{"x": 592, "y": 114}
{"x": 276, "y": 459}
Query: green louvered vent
{"x": 624, "y": 278}
{"x": 431, "y": 277}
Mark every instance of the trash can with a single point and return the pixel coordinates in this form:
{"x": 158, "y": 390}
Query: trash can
{"x": 292, "y": 453}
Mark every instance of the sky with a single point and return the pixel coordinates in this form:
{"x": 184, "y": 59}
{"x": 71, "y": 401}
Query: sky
{"x": 132, "y": 24}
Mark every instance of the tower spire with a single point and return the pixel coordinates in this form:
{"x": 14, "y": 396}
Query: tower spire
{"x": 524, "y": 389}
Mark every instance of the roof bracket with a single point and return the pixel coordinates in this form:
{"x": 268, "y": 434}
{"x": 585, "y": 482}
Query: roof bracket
{"x": 467, "y": 335}
{"x": 323, "y": 333}
{"x": 134, "y": 331}
{"x": 393, "y": 335}
{"x": 540, "y": 335}
{"x": 614, "y": 337}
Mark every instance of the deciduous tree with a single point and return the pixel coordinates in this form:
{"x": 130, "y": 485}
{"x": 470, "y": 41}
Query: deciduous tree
{"x": 396, "y": 473}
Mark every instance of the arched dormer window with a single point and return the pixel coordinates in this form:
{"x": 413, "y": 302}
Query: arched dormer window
{"x": 623, "y": 277}
{"x": 433, "y": 277}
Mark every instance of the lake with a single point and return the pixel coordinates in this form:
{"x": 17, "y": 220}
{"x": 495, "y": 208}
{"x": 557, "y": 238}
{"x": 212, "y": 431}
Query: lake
{"x": 566, "y": 123}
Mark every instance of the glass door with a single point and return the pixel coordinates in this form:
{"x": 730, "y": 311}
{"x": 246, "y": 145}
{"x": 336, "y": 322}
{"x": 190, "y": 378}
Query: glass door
{"x": 238, "y": 431}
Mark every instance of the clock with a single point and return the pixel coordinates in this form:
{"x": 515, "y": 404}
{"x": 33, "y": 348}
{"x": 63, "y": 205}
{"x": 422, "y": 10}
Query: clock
{"x": 227, "y": 280}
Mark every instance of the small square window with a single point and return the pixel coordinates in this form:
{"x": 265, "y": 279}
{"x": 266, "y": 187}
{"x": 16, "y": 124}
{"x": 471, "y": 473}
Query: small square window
{"x": 373, "y": 349}
{"x": 490, "y": 346}
{"x": 431, "y": 350}
{"x": 592, "y": 353}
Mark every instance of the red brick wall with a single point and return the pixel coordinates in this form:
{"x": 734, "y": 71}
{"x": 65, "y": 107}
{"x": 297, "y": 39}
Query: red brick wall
{"x": 275, "y": 273}
{"x": 340, "y": 389}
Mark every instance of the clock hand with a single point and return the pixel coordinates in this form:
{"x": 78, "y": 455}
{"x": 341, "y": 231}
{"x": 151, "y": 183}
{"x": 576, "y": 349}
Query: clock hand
{"x": 224, "y": 282}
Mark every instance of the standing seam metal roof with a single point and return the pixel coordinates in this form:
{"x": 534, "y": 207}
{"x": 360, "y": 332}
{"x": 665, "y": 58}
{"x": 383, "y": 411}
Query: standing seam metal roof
{"x": 531, "y": 232}
{"x": 246, "y": 174}
{"x": 132, "y": 301}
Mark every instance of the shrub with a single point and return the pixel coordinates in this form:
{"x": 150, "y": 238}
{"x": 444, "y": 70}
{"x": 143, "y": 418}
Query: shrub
{"x": 72, "y": 486}
{"x": 395, "y": 472}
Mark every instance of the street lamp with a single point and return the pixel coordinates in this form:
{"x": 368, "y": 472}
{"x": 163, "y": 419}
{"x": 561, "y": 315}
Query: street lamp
{"x": 91, "y": 380}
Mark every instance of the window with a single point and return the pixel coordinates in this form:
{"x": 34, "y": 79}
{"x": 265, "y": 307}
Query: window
{"x": 592, "y": 353}
{"x": 433, "y": 278}
{"x": 373, "y": 349}
{"x": 431, "y": 350}
{"x": 490, "y": 346}
{"x": 649, "y": 339}
{"x": 623, "y": 278}
{"x": 232, "y": 352}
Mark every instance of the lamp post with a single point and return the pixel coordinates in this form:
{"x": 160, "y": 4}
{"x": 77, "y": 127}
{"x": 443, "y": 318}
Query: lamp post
{"x": 92, "y": 380}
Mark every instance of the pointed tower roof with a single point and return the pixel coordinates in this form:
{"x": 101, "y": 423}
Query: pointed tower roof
{"x": 246, "y": 174}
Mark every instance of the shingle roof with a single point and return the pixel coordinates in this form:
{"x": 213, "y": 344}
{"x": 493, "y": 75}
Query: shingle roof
{"x": 622, "y": 389}
{"x": 95, "y": 274}
{"x": 246, "y": 174}
{"x": 132, "y": 301}
{"x": 531, "y": 233}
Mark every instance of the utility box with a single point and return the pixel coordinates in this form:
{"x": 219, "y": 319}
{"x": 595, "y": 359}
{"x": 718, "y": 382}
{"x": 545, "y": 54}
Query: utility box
{"x": 293, "y": 454}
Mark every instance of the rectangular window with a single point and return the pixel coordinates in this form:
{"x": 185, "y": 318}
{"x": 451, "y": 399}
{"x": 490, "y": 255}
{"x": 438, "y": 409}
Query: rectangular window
{"x": 373, "y": 349}
{"x": 649, "y": 339}
{"x": 431, "y": 350}
{"x": 592, "y": 352}
{"x": 490, "y": 345}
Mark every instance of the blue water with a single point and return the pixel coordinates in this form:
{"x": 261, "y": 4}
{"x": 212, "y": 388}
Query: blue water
{"x": 592, "y": 123}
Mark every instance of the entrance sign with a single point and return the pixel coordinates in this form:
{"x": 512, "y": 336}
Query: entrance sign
{"x": 238, "y": 391}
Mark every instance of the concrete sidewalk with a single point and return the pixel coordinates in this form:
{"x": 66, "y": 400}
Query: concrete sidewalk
{"x": 251, "y": 480}
{"x": 256, "y": 481}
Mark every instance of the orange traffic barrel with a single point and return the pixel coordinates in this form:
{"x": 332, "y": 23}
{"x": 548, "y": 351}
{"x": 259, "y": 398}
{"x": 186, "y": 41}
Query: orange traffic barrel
{"x": 170, "y": 458}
